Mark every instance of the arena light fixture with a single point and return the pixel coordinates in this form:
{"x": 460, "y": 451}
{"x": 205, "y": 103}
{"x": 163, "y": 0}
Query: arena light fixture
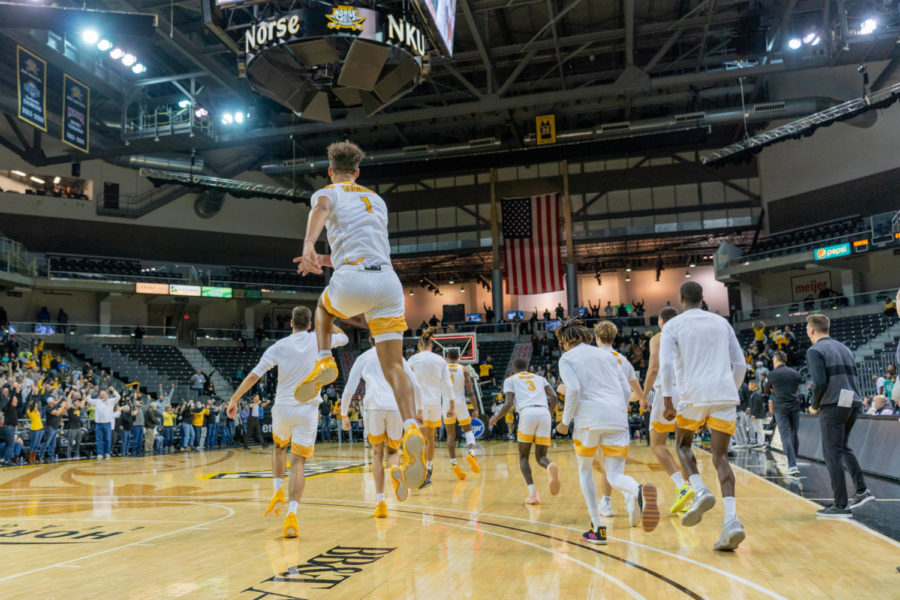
{"x": 628, "y": 269}
{"x": 129, "y": 59}
{"x": 794, "y": 43}
{"x": 868, "y": 26}
{"x": 37, "y": 180}
{"x": 687, "y": 274}
{"x": 411, "y": 293}
{"x": 238, "y": 117}
{"x": 104, "y": 45}
{"x": 692, "y": 262}
{"x": 227, "y": 119}
{"x": 627, "y": 277}
{"x": 138, "y": 69}
{"x": 19, "y": 173}
{"x": 184, "y": 103}
{"x": 57, "y": 179}
{"x": 90, "y": 36}
{"x": 201, "y": 112}
{"x": 462, "y": 289}
{"x": 116, "y": 53}
{"x": 451, "y": 281}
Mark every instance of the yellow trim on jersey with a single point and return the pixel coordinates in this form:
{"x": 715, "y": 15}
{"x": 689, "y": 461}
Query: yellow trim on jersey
{"x": 302, "y": 451}
{"x": 720, "y": 425}
{"x": 355, "y": 262}
{"x": 582, "y": 450}
{"x": 279, "y": 442}
{"x": 433, "y": 424}
{"x": 615, "y": 451}
{"x": 387, "y": 325}
{"x": 525, "y": 438}
{"x": 329, "y": 307}
{"x": 688, "y": 424}
{"x": 542, "y": 441}
{"x": 449, "y": 421}
{"x": 663, "y": 427}
{"x": 377, "y": 439}
{"x": 395, "y": 444}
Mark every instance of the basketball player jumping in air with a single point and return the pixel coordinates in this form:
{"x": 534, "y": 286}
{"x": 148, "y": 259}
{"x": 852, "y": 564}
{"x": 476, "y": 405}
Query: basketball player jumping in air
{"x": 293, "y": 423}
{"x": 594, "y": 384}
{"x": 660, "y": 427}
{"x": 529, "y": 393}
{"x": 364, "y": 282}
{"x": 710, "y": 366}
{"x": 433, "y": 375}
{"x": 456, "y": 411}
{"x": 383, "y": 422}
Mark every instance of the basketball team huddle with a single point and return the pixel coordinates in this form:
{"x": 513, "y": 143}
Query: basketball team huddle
{"x": 696, "y": 367}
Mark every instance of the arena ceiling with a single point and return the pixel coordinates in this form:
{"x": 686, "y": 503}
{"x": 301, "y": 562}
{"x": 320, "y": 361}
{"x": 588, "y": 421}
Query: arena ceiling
{"x": 588, "y": 62}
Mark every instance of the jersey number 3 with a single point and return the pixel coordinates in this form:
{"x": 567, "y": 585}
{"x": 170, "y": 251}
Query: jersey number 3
{"x": 367, "y": 203}
{"x": 531, "y": 387}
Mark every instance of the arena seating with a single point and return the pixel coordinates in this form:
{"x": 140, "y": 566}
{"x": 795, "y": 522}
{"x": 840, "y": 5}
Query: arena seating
{"x": 808, "y": 238}
{"x": 85, "y": 267}
{"x": 852, "y": 331}
{"x": 277, "y": 277}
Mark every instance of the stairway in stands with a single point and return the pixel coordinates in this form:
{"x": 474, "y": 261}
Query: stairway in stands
{"x": 125, "y": 364}
{"x": 198, "y": 361}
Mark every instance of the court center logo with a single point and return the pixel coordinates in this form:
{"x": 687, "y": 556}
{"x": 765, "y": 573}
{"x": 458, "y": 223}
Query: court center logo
{"x": 345, "y": 17}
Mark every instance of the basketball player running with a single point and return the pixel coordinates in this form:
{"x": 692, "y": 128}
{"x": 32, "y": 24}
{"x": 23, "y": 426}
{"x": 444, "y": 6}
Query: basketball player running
{"x": 293, "y": 423}
{"x": 529, "y": 393}
{"x": 383, "y": 422}
{"x": 660, "y": 427}
{"x": 710, "y": 366}
{"x": 594, "y": 384}
{"x": 605, "y": 333}
{"x": 433, "y": 375}
{"x": 456, "y": 411}
{"x": 363, "y": 282}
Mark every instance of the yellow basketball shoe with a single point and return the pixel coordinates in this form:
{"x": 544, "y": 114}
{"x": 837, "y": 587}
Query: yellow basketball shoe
{"x": 291, "y": 527}
{"x": 414, "y": 468}
{"x": 380, "y": 510}
{"x": 473, "y": 462}
{"x": 458, "y": 471}
{"x": 398, "y": 479}
{"x": 325, "y": 372}
{"x": 684, "y": 495}
{"x": 275, "y": 502}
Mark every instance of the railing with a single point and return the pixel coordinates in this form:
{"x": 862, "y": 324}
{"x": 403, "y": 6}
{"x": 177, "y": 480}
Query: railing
{"x": 41, "y": 328}
{"x": 805, "y": 307}
{"x": 13, "y": 258}
{"x": 788, "y": 250}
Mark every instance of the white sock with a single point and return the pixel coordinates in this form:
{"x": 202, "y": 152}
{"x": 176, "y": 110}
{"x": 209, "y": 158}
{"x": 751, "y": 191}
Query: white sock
{"x": 278, "y": 482}
{"x": 470, "y": 438}
{"x": 678, "y": 478}
{"x": 697, "y": 482}
{"x": 428, "y": 464}
{"x": 379, "y": 498}
{"x": 531, "y": 489}
{"x": 408, "y": 422}
{"x": 324, "y": 354}
{"x": 292, "y": 506}
{"x": 605, "y": 499}
{"x": 452, "y": 461}
{"x": 730, "y": 508}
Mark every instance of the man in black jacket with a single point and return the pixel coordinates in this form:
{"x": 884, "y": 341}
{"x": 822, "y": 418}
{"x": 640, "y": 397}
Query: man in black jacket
{"x": 836, "y": 396}
{"x": 9, "y": 402}
{"x": 782, "y": 384}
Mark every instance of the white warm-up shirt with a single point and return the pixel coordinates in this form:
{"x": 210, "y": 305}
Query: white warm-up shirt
{"x": 627, "y": 370}
{"x": 529, "y": 390}
{"x": 357, "y": 227}
{"x": 295, "y": 356}
{"x": 379, "y": 394}
{"x": 433, "y": 376}
{"x": 700, "y": 350}
{"x": 594, "y": 382}
{"x": 103, "y": 409}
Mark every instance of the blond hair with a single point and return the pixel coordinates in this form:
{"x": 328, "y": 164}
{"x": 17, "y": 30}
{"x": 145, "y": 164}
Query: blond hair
{"x": 606, "y": 331}
{"x": 425, "y": 338}
{"x": 819, "y": 323}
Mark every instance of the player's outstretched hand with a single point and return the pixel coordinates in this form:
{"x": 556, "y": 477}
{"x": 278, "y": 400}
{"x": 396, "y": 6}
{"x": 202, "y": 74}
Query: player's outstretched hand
{"x": 308, "y": 262}
{"x": 231, "y": 411}
{"x": 562, "y": 429}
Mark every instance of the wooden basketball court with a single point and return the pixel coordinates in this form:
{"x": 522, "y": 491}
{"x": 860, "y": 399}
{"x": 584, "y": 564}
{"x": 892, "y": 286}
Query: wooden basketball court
{"x": 192, "y": 526}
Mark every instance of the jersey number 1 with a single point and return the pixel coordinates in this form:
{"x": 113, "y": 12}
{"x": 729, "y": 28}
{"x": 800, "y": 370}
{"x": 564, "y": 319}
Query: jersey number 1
{"x": 367, "y": 203}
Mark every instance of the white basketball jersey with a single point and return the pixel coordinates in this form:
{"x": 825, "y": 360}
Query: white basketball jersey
{"x": 458, "y": 381}
{"x": 528, "y": 388}
{"x": 357, "y": 226}
{"x": 433, "y": 375}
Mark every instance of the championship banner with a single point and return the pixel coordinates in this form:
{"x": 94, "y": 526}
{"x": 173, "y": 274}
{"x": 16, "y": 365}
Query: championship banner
{"x": 31, "y": 79}
{"x": 76, "y": 114}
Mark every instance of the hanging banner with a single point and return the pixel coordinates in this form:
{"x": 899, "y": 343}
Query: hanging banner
{"x": 76, "y": 113}
{"x": 31, "y": 77}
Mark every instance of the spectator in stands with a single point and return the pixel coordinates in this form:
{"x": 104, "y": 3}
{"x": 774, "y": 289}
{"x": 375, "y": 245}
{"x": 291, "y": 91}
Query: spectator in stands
{"x": 353, "y": 415}
{"x": 239, "y": 374}
{"x": 169, "y": 418}
{"x": 187, "y": 427}
{"x": 878, "y": 381}
{"x": 546, "y": 314}
{"x": 74, "y": 405}
{"x": 757, "y": 412}
{"x": 62, "y": 319}
{"x": 52, "y": 421}
{"x": 254, "y": 431}
{"x": 433, "y": 321}
{"x": 138, "y": 336}
{"x": 890, "y": 307}
{"x": 609, "y": 311}
{"x": 43, "y": 315}
{"x": 890, "y": 379}
{"x": 622, "y": 311}
{"x": 4, "y": 321}
{"x": 104, "y": 405}
{"x": 880, "y": 406}
{"x": 488, "y": 313}
{"x": 138, "y": 422}
{"x": 560, "y": 312}
{"x": 759, "y": 332}
{"x": 198, "y": 417}
{"x": 197, "y": 382}
{"x": 325, "y": 409}
{"x": 151, "y": 420}
{"x": 125, "y": 425}
{"x": 212, "y": 424}
{"x": 9, "y": 403}
{"x": 259, "y": 335}
{"x": 783, "y": 383}
{"x": 486, "y": 371}
{"x": 36, "y": 428}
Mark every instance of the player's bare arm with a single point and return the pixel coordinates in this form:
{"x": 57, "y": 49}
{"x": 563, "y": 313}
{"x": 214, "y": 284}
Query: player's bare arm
{"x": 470, "y": 393}
{"x": 552, "y": 397}
{"x": 246, "y": 385}
{"x": 309, "y": 261}
{"x": 508, "y": 399}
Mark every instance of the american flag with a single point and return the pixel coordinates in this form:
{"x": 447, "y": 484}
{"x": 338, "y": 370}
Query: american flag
{"x": 533, "y": 264}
